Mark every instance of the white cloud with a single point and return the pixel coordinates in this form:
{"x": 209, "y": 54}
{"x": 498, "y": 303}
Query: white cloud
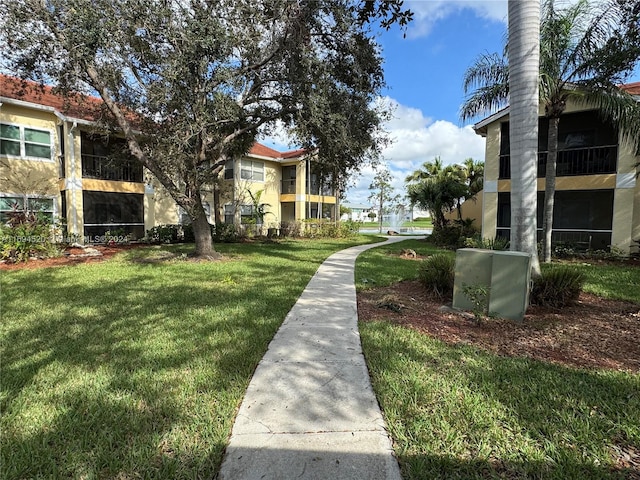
{"x": 276, "y": 137}
{"x": 428, "y": 12}
{"x": 417, "y": 139}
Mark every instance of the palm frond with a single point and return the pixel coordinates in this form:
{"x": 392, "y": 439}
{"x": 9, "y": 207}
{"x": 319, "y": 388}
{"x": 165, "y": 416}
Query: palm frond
{"x": 485, "y": 100}
{"x": 488, "y": 69}
{"x": 615, "y": 106}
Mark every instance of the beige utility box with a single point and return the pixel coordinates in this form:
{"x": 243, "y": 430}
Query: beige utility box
{"x": 507, "y": 274}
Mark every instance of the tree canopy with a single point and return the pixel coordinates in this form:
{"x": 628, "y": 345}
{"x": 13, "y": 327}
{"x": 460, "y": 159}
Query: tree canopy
{"x": 189, "y": 83}
{"x": 441, "y": 189}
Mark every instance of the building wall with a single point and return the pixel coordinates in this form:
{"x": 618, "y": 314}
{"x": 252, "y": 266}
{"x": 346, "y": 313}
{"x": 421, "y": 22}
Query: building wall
{"x": 159, "y": 207}
{"x": 626, "y": 210}
{"x": 31, "y": 176}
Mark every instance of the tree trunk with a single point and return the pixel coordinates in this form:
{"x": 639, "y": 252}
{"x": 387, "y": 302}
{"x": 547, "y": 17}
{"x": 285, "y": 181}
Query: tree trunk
{"x": 524, "y": 64}
{"x": 202, "y": 234}
{"x": 550, "y": 187}
{"x": 217, "y": 208}
{"x": 381, "y": 205}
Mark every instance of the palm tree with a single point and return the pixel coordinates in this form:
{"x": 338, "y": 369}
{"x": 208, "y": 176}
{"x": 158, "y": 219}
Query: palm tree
{"x": 586, "y": 51}
{"x": 474, "y": 173}
{"x": 524, "y": 51}
{"x": 438, "y": 188}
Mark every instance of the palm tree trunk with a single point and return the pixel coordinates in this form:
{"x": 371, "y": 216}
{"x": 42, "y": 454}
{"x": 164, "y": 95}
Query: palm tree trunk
{"x": 550, "y": 187}
{"x": 524, "y": 64}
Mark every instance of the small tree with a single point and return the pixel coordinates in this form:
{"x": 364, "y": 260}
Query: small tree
{"x": 383, "y": 193}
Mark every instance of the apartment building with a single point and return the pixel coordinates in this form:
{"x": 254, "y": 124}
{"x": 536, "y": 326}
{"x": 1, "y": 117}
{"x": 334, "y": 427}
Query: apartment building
{"x": 597, "y": 200}
{"x": 54, "y": 156}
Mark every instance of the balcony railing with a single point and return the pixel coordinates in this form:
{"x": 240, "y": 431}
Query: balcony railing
{"x": 317, "y": 189}
{"x": 289, "y": 186}
{"x": 104, "y": 168}
{"x": 576, "y": 161}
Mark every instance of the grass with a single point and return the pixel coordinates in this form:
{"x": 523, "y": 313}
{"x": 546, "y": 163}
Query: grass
{"x": 423, "y": 223}
{"x": 383, "y": 266}
{"x": 134, "y": 367}
{"x": 457, "y": 412}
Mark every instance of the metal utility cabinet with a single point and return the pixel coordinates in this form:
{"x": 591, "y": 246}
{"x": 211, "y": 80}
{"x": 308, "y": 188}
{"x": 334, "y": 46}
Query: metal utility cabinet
{"x": 507, "y": 274}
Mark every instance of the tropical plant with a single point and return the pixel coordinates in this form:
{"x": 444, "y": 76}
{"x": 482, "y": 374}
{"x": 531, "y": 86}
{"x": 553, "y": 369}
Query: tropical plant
{"x": 557, "y": 287}
{"x": 587, "y": 50}
{"x": 440, "y": 189}
{"x": 259, "y": 211}
{"x": 436, "y": 273}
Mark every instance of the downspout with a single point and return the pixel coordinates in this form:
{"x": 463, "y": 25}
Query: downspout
{"x": 71, "y": 182}
{"x": 309, "y": 188}
{"x": 73, "y": 179}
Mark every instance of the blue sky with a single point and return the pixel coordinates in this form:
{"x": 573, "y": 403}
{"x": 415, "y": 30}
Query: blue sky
{"x": 424, "y": 75}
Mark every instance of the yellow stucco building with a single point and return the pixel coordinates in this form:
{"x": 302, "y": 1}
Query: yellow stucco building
{"x": 597, "y": 200}
{"x": 53, "y": 157}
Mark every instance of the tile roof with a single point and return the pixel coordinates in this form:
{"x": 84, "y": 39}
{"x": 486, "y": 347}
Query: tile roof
{"x": 89, "y": 108}
{"x": 83, "y": 107}
{"x": 632, "y": 88}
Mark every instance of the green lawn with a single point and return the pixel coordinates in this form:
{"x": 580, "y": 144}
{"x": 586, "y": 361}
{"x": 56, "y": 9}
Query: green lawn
{"x": 457, "y": 412}
{"x": 134, "y": 368}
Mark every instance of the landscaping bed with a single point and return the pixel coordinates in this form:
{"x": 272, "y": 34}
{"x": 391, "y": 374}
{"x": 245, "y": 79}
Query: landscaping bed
{"x": 595, "y": 332}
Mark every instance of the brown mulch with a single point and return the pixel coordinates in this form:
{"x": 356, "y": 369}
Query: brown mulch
{"x": 593, "y": 333}
{"x": 71, "y": 256}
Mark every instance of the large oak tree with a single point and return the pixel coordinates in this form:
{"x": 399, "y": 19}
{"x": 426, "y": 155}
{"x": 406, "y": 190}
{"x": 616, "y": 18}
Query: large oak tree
{"x": 189, "y": 83}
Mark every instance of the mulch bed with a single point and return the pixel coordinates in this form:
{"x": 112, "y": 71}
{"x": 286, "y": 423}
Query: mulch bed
{"x": 71, "y": 256}
{"x": 593, "y": 333}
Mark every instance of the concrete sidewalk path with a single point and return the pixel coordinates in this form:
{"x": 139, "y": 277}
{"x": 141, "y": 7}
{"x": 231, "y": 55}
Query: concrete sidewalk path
{"x": 309, "y": 411}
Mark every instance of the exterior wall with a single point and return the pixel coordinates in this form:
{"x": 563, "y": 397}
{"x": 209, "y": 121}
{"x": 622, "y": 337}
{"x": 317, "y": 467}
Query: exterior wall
{"x": 491, "y": 172}
{"x": 21, "y": 176}
{"x": 159, "y": 207}
{"x": 626, "y": 209}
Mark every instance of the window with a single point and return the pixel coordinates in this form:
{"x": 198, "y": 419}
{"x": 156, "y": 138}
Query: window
{"x": 228, "y": 170}
{"x": 24, "y": 142}
{"x": 34, "y": 204}
{"x": 229, "y": 214}
{"x": 251, "y": 170}
{"x": 246, "y": 214}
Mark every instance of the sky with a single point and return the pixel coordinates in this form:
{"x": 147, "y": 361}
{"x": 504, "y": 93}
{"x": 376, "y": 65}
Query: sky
{"x": 424, "y": 75}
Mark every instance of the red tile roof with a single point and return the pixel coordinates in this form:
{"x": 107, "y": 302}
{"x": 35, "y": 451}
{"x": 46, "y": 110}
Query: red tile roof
{"x": 632, "y": 88}
{"x": 85, "y": 107}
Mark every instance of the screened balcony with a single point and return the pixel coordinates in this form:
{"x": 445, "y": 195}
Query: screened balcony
{"x": 577, "y": 161}
{"x": 104, "y": 168}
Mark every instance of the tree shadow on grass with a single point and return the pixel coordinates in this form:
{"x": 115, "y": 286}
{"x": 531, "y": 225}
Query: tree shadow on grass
{"x": 132, "y": 376}
{"x": 507, "y": 417}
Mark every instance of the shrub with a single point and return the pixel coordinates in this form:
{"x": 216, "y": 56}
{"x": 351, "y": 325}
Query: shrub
{"x": 224, "y": 233}
{"x": 290, "y": 229}
{"x": 26, "y": 235}
{"x": 495, "y": 243}
{"x": 557, "y": 287}
{"x": 436, "y": 274}
{"x": 453, "y": 235}
{"x": 329, "y": 229}
{"x": 187, "y": 233}
{"x": 163, "y": 234}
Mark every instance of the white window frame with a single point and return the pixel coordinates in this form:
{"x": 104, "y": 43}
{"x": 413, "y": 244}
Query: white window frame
{"x": 23, "y": 155}
{"x": 33, "y": 196}
{"x": 254, "y": 168}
